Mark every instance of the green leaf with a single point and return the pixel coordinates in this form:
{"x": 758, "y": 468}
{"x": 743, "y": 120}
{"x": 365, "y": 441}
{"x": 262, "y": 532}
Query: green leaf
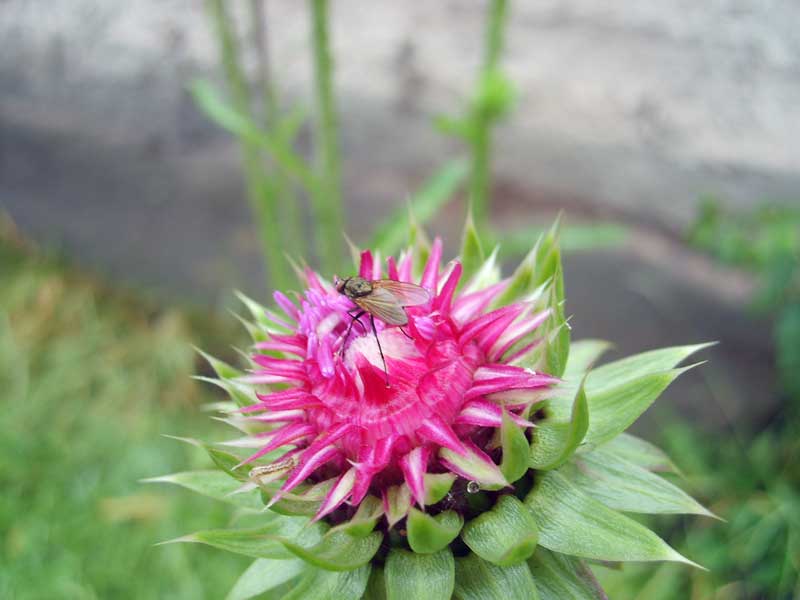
{"x": 365, "y": 519}
{"x": 221, "y": 368}
{"x": 562, "y": 577}
{"x": 211, "y": 103}
{"x": 506, "y": 535}
{"x": 582, "y": 355}
{"x": 428, "y": 534}
{"x": 633, "y": 367}
{"x": 472, "y": 255}
{"x": 488, "y": 274}
{"x": 625, "y": 486}
{"x": 213, "y": 484}
{"x": 516, "y": 449}
{"x": 392, "y": 234}
{"x": 376, "y": 586}
{"x": 224, "y": 460}
{"x": 572, "y": 522}
{"x": 327, "y": 585}
{"x": 488, "y": 475}
{"x": 398, "y": 500}
{"x": 477, "y": 579}
{"x": 263, "y": 575}
{"x": 640, "y": 452}
{"x": 411, "y": 576}
{"x": 555, "y": 441}
{"x": 259, "y": 542}
{"x": 337, "y": 551}
{"x": 437, "y": 485}
{"x": 615, "y": 408}
{"x": 304, "y": 500}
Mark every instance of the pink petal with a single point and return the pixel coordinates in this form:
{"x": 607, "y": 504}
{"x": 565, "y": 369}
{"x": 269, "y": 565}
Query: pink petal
{"x": 444, "y": 300}
{"x": 430, "y": 276}
{"x": 467, "y": 307}
{"x": 515, "y": 333}
{"x": 392, "y": 269}
{"x": 281, "y": 437}
{"x": 435, "y": 430}
{"x": 337, "y": 494}
{"x": 414, "y": 466}
{"x": 365, "y": 269}
{"x": 286, "y": 305}
{"x": 309, "y": 463}
{"x": 486, "y": 414}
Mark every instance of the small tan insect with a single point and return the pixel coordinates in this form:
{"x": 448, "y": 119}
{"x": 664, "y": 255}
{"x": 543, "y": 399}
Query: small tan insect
{"x": 382, "y": 298}
{"x": 266, "y": 473}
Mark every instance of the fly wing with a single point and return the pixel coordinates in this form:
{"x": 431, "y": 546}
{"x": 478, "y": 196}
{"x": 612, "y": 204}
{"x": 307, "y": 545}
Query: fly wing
{"x": 407, "y": 294}
{"x": 384, "y": 305}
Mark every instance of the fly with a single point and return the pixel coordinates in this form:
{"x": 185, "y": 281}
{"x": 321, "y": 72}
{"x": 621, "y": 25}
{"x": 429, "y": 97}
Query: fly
{"x": 382, "y": 298}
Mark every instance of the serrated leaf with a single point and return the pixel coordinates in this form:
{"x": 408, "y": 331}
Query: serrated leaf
{"x": 554, "y": 442}
{"x": 336, "y": 551}
{"x": 562, "y": 577}
{"x": 320, "y": 584}
{"x": 478, "y": 579}
{"x": 572, "y": 522}
{"x": 437, "y": 485}
{"x": 213, "y": 484}
{"x": 615, "y": 408}
{"x": 221, "y": 368}
{"x": 428, "y": 534}
{"x": 640, "y": 452}
{"x": 633, "y": 367}
{"x": 425, "y": 203}
{"x": 265, "y": 574}
{"x": 410, "y": 576}
{"x": 582, "y": 355}
{"x": 472, "y": 255}
{"x": 516, "y": 450}
{"x": 365, "y": 519}
{"x": 259, "y": 542}
{"x": 505, "y": 535}
{"x": 625, "y": 486}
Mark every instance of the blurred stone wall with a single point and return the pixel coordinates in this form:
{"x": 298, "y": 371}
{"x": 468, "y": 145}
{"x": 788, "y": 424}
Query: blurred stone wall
{"x": 641, "y": 106}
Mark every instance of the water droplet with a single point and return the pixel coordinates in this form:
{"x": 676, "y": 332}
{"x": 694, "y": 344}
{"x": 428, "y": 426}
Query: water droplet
{"x": 473, "y": 487}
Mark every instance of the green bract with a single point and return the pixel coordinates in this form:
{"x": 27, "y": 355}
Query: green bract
{"x": 548, "y": 491}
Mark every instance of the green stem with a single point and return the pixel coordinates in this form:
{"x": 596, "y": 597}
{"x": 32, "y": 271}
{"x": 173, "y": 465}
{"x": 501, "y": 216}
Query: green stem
{"x": 327, "y": 196}
{"x": 259, "y": 193}
{"x": 481, "y": 146}
{"x": 288, "y": 203}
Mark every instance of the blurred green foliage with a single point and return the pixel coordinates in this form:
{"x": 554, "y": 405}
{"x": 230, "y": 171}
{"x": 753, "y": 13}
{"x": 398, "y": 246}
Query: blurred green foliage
{"x": 766, "y": 241}
{"x": 754, "y": 484}
{"x": 89, "y": 381}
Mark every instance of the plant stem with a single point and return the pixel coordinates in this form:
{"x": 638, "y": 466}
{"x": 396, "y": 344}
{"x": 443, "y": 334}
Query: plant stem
{"x": 327, "y": 195}
{"x": 259, "y": 191}
{"x": 288, "y": 203}
{"x": 480, "y": 171}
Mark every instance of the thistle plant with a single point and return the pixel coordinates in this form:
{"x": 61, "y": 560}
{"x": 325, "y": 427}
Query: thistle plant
{"x": 492, "y": 463}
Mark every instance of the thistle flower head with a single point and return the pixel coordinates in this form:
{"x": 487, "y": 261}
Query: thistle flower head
{"x": 443, "y": 439}
{"x": 340, "y": 421}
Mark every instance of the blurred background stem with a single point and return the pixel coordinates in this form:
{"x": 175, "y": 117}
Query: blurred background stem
{"x": 288, "y": 202}
{"x": 260, "y": 190}
{"x": 327, "y": 195}
{"x": 481, "y": 139}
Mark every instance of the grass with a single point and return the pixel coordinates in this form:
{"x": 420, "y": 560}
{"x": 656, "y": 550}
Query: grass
{"x": 90, "y": 380}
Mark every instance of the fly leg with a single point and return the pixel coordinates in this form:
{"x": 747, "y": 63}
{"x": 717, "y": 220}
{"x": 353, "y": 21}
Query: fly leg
{"x": 355, "y": 318}
{"x": 375, "y": 333}
{"x": 405, "y": 333}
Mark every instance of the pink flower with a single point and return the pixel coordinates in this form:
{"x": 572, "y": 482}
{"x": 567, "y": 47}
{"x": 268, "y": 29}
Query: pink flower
{"x": 452, "y": 375}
